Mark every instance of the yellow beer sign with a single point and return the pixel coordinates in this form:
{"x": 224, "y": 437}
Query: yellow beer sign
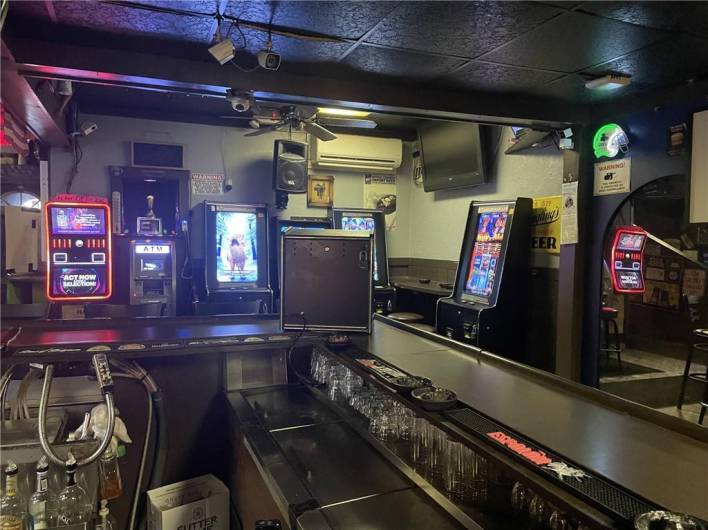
{"x": 546, "y": 224}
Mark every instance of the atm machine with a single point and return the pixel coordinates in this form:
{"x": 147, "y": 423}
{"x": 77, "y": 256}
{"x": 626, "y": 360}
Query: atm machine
{"x": 78, "y": 240}
{"x": 371, "y": 220}
{"x": 153, "y": 273}
{"x": 488, "y": 303}
{"x": 627, "y": 259}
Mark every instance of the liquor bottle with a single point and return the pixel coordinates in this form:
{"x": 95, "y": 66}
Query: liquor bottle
{"x": 73, "y": 501}
{"x": 42, "y": 505}
{"x": 111, "y": 483}
{"x": 13, "y": 511}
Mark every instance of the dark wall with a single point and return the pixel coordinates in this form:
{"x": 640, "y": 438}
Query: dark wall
{"x": 647, "y": 132}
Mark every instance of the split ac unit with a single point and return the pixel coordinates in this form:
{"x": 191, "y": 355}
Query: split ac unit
{"x": 358, "y": 153}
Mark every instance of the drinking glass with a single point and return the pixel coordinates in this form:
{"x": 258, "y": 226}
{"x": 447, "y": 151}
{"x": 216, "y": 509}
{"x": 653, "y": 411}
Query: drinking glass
{"x": 519, "y": 498}
{"x": 559, "y": 521}
{"x": 458, "y": 470}
{"x": 538, "y": 511}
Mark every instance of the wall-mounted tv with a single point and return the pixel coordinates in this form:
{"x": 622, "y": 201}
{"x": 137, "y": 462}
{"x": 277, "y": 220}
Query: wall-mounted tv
{"x": 236, "y": 246}
{"x": 453, "y": 155}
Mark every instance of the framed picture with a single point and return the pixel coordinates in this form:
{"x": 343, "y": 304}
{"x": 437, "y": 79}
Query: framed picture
{"x": 320, "y": 191}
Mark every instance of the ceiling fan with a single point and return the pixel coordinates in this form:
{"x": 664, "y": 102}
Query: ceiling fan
{"x": 288, "y": 116}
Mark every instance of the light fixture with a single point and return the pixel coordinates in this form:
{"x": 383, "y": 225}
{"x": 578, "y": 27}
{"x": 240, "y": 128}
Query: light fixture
{"x": 608, "y": 82}
{"x": 349, "y": 113}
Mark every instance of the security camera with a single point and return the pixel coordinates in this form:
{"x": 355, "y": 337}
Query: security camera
{"x": 85, "y": 129}
{"x": 240, "y": 101}
{"x": 228, "y": 185}
{"x": 268, "y": 59}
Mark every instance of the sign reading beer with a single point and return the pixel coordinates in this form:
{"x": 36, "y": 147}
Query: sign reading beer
{"x": 546, "y": 224}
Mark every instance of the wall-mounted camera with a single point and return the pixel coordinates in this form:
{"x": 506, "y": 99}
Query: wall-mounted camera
{"x": 268, "y": 59}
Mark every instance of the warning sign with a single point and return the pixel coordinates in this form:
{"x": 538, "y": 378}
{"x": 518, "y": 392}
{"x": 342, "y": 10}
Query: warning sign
{"x": 612, "y": 176}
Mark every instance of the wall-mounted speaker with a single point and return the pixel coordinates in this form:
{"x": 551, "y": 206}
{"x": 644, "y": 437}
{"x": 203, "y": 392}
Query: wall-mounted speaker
{"x": 290, "y": 166}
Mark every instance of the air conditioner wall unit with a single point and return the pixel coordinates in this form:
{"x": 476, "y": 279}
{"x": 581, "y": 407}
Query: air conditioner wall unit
{"x": 358, "y": 153}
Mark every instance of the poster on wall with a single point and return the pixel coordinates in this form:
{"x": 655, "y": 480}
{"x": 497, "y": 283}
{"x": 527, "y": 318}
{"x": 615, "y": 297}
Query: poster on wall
{"x": 546, "y": 224}
{"x": 207, "y": 184}
{"x": 612, "y": 176}
{"x": 380, "y": 194}
{"x": 662, "y": 294}
{"x": 569, "y": 215}
{"x": 694, "y": 282}
{"x": 320, "y": 191}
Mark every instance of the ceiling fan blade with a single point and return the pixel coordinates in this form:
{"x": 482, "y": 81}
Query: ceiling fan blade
{"x": 263, "y": 130}
{"x": 319, "y": 131}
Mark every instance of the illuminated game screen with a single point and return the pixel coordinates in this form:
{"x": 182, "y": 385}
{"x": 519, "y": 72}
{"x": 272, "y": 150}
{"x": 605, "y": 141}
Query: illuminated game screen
{"x": 78, "y": 221}
{"x": 236, "y": 247}
{"x": 486, "y": 253}
{"x": 79, "y": 281}
{"x": 363, "y": 223}
{"x": 629, "y": 241}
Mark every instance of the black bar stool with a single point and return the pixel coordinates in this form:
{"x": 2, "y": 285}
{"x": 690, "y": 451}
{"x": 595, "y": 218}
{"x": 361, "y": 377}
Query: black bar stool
{"x": 608, "y": 318}
{"x": 695, "y": 376}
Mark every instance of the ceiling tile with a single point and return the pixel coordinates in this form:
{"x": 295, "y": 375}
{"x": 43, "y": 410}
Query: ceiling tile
{"x": 120, "y": 19}
{"x": 658, "y": 65}
{"x": 574, "y": 41}
{"x": 399, "y": 63}
{"x": 677, "y": 16}
{"x": 498, "y": 78}
{"x": 466, "y": 29}
{"x": 343, "y": 19}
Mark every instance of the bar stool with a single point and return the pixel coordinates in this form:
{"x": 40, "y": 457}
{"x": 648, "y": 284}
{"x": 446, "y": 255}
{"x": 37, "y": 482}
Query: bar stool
{"x": 695, "y": 376}
{"x": 608, "y": 317}
{"x": 405, "y": 316}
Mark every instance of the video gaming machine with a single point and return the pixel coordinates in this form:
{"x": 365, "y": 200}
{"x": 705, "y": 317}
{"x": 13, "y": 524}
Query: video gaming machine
{"x": 277, "y": 228}
{"x": 371, "y": 220}
{"x": 235, "y": 259}
{"x": 627, "y": 259}
{"x": 78, "y": 239}
{"x": 486, "y": 308}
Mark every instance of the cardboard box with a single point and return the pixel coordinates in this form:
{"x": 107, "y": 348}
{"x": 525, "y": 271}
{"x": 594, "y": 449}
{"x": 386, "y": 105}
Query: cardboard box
{"x": 201, "y": 503}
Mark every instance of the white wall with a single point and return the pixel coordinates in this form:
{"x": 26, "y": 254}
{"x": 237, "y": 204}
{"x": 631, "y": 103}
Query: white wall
{"x": 209, "y": 149}
{"x": 436, "y": 220}
{"x": 430, "y": 225}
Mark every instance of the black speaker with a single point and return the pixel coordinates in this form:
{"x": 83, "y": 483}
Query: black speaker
{"x": 290, "y": 166}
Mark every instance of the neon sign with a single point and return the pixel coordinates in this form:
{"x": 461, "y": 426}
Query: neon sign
{"x": 532, "y": 455}
{"x": 609, "y": 141}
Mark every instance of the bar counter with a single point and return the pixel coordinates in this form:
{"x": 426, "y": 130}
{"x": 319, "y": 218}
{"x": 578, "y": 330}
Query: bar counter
{"x": 662, "y": 459}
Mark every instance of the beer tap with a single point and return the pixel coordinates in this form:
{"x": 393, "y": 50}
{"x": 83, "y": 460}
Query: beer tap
{"x": 105, "y": 383}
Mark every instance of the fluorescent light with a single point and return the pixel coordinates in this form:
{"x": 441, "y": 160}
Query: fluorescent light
{"x": 608, "y": 82}
{"x": 343, "y": 112}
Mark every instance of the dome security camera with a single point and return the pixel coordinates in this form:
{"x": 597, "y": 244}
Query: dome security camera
{"x": 240, "y": 102}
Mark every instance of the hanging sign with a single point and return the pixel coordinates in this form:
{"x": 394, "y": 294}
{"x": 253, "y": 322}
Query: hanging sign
{"x": 612, "y": 176}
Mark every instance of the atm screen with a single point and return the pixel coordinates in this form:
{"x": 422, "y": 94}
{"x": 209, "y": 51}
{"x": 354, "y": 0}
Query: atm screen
{"x": 78, "y": 221}
{"x": 486, "y": 253}
{"x": 236, "y": 247}
{"x": 152, "y": 265}
{"x": 362, "y": 223}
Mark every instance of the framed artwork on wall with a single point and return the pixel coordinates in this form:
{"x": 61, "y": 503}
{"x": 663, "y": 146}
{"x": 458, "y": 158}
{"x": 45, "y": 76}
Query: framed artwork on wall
{"x": 320, "y": 191}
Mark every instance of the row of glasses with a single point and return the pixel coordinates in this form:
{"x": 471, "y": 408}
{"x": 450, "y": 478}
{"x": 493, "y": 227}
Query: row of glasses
{"x": 528, "y": 505}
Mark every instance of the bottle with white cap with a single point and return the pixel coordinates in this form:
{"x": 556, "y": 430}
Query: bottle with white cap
{"x": 73, "y": 501}
{"x": 105, "y": 520}
{"x": 42, "y": 505}
{"x": 13, "y": 507}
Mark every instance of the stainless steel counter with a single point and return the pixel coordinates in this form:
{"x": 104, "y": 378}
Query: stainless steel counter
{"x": 585, "y": 425}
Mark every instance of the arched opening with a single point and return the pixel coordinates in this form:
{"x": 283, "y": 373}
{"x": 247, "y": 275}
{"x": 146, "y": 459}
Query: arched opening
{"x": 645, "y": 337}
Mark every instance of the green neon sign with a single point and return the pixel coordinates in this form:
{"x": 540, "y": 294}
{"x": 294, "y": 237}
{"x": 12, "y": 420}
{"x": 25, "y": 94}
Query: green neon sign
{"x": 609, "y": 141}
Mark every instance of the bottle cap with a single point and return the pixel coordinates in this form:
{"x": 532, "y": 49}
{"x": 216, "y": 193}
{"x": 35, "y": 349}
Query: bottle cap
{"x": 71, "y": 463}
{"x": 43, "y": 464}
{"x": 11, "y": 468}
{"x": 103, "y": 511}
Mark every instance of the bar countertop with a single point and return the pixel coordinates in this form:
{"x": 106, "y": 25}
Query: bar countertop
{"x": 667, "y": 467}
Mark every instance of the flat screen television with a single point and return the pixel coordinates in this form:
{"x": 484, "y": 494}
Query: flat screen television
{"x": 453, "y": 155}
{"x": 236, "y": 246}
{"x": 359, "y": 219}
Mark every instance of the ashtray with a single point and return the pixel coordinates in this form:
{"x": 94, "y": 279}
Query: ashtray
{"x": 661, "y": 520}
{"x": 406, "y": 383}
{"x": 434, "y": 398}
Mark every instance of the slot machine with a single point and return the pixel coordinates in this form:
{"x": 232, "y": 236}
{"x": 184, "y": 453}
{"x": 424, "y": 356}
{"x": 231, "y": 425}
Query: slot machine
{"x": 487, "y": 306}
{"x": 627, "y": 260}
{"x": 362, "y": 219}
{"x": 78, "y": 240}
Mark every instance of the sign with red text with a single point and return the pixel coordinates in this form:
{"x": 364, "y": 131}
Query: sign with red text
{"x": 612, "y": 176}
